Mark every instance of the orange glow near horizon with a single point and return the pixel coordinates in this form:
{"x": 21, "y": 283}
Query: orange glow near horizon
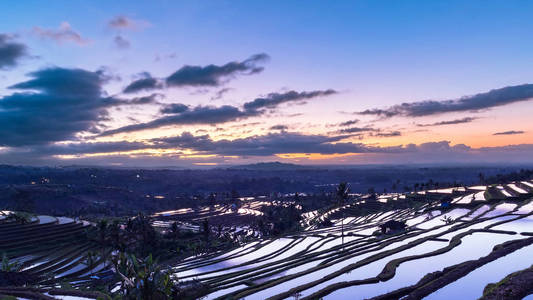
{"x": 313, "y": 156}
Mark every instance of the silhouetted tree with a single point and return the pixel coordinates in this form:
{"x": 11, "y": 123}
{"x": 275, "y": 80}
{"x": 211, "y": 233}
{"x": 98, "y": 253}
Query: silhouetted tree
{"x": 342, "y": 196}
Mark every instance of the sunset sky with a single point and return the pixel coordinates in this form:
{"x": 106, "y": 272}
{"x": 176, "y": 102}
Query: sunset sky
{"x": 206, "y": 83}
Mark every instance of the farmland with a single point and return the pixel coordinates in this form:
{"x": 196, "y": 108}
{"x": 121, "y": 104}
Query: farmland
{"x": 455, "y": 242}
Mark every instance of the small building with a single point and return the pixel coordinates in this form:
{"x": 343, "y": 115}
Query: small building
{"x": 392, "y": 226}
{"x": 446, "y": 202}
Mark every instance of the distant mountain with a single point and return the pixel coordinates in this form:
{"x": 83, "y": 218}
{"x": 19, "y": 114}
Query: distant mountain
{"x": 270, "y": 166}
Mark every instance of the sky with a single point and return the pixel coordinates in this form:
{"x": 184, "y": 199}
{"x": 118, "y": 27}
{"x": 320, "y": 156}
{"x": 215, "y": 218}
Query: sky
{"x": 214, "y": 83}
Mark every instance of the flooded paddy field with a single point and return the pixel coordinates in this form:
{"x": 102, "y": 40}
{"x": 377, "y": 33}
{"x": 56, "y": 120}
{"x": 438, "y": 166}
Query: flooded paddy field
{"x": 432, "y": 249}
{"x": 365, "y": 263}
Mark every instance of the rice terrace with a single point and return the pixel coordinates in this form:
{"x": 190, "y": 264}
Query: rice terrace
{"x": 439, "y": 243}
{"x": 266, "y": 150}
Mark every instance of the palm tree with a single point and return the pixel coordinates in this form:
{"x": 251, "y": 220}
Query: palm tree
{"x": 114, "y": 232}
{"x": 342, "y": 195}
{"x": 174, "y": 229}
{"x": 102, "y": 230}
{"x": 102, "y": 234}
{"x": 144, "y": 278}
{"x": 90, "y": 261}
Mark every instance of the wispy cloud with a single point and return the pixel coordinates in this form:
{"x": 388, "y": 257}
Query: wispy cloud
{"x": 357, "y": 130}
{"x": 280, "y": 127}
{"x": 65, "y": 33}
{"x": 220, "y": 93}
{"x": 490, "y": 99}
{"x": 180, "y": 114}
{"x": 121, "y": 42}
{"x": 274, "y": 99}
{"x": 450, "y": 122}
{"x": 510, "y": 132}
{"x": 387, "y": 134}
{"x": 348, "y": 123}
{"x": 123, "y": 22}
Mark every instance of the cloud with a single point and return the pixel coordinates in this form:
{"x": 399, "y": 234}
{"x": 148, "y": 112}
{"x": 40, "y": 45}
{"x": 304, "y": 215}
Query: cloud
{"x": 197, "y": 115}
{"x": 55, "y": 105}
{"x": 220, "y": 93}
{"x": 198, "y": 76}
{"x": 357, "y": 130}
{"x": 280, "y": 127}
{"x": 88, "y": 148}
{"x": 10, "y": 52}
{"x": 174, "y": 108}
{"x": 123, "y": 22}
{"x": 216, "y": 115}
{"x": 511, "y": 132}
{"x": 272, "y": 100}
{"x": 64, "y": 33}
{"x": 150, "y": 99}
{"x": 348, "y": 123}
{"x": 146, "y": 82}
{"x": 387, "y": 134}
{"x": 450, "y": 122}
{"x": 264, "y": 145}
{"x": 213, "y": 75}
{"x": 490, "y": 99}
{"x": 121, "y": 42}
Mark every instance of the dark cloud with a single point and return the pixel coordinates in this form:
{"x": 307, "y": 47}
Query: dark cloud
{"x": 387, "y": 134}
{"x": 213, "y": 75}
{"x": 493, "y": 98}
{"x": 280, "y": 127}
{"x": 10, "y": 52}
{"x": 272, "y": 100}
{"x": 89, "y": 148}
{"x": 215, "y": 115}
{"x": 510, "y": 132}
{"x": 121, "y": 42}
{"x": 151, "y": 99}
{"x": 146, "y": 82}
{"x": 348, "y": 123}
{"x": 450, "y": 122}
{"x": 198, "y": 76}
{"x": 266, "y": 145}
{"x": 357, "y": 130}
{"x": 263, "y": 146}
{"x": 174, "y": 108}
{"x": 64, "y": 33}
{"x": 196, "y": 115}
{"x": 220, "y": 93}
{"x": 56, "y": 104}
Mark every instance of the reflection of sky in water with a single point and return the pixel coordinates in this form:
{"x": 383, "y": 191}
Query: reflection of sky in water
{"x": 266, "y": 250}
{"x": 478, "y": 212}
{"x": 500, "y": 209}
{"x": 378, "y": 266}
{"x": 454, "y": 214}
{"x": 520, "y": 225}
{"x": 471, "y": 286}
{"x": 408, "y": 273}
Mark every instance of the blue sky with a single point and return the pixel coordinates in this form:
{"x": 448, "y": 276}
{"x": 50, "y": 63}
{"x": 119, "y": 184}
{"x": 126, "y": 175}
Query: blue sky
{"x": 374, "y": 54}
